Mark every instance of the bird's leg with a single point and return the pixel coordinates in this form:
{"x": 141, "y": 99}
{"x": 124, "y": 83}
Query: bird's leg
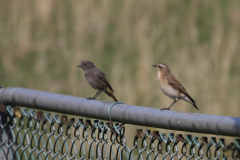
{"x": 170, "y": 105}
{"x": 97, "y": 94}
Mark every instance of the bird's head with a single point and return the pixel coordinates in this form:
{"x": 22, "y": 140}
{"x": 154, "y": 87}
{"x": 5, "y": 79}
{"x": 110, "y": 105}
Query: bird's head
{"x": 86, "y": 65}
{"x": 161, "y": 67}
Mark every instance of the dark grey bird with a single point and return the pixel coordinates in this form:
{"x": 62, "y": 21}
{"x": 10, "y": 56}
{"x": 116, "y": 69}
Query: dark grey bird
{"x": 97, "y": 80}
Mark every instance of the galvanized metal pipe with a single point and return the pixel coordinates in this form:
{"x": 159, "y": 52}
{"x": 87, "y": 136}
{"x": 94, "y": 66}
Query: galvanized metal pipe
{"x": 143, "y": 116}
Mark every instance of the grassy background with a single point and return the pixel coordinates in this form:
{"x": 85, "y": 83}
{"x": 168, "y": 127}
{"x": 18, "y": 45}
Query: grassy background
{"x": 42, "y": 42}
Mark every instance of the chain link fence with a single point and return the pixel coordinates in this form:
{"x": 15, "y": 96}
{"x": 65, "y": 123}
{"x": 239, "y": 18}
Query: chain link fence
{"x": 29, "y": 135}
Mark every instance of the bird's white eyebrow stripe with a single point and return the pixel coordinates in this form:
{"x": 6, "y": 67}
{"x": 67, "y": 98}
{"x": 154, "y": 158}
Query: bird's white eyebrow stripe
{"x": 161, "y": 65}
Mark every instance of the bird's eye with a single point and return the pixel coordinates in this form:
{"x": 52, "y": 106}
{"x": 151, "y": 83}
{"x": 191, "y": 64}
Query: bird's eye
{"x": 84, "y": 64}
{"x": 159, "y": 66}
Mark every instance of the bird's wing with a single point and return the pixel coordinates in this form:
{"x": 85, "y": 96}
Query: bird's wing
{"x": 102, "y": 77}
{"x": 177, "y": 85}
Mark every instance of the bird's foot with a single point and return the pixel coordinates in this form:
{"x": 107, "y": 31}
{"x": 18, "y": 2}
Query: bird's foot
{"x": 165, "y": 109}
{"x": 91, "y": 98}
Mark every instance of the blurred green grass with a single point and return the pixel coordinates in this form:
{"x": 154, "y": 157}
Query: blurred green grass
{"x": 42, "y": 42}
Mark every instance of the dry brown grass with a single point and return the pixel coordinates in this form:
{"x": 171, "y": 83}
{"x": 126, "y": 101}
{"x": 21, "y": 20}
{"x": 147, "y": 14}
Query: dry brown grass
{"x": 42, "y": 42}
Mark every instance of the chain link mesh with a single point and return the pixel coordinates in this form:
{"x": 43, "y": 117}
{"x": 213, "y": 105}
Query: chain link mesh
{"x": 26, "y": 134}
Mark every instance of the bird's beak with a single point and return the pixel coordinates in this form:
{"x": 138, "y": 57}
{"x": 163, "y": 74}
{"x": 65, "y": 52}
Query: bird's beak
{"x": 79, "y": 66}
{"x": 154, "y": 65}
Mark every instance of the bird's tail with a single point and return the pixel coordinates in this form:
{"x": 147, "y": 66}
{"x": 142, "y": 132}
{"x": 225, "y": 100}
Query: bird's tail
{"x": 110, "y": 93}
{"x": 115, "y": 99}
{"x": 194, "y": 104}
{"x": 190, "y": 100}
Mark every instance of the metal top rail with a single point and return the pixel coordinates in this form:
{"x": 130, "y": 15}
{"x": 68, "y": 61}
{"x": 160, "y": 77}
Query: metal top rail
{"x": 144, "y": 116}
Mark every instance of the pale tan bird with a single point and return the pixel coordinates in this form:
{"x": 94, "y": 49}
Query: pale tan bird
{"x": 171, "y": 86}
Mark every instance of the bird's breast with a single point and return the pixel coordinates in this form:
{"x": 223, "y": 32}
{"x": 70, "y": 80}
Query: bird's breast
{"x": 170, "y": 91}
{"x": 167, "y": 88}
